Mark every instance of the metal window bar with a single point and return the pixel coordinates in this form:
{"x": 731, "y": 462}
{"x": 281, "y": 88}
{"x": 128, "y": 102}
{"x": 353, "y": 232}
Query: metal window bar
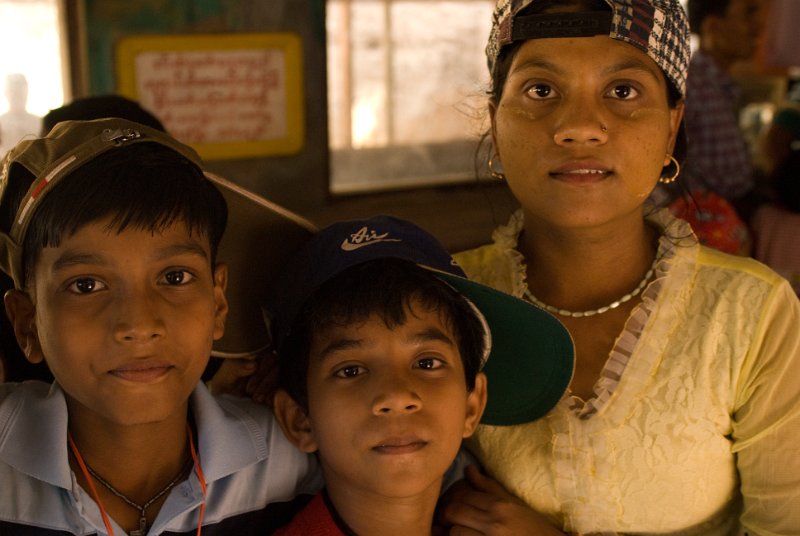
{"x": 347, "y": 84}
{"x": 388, "y": 51}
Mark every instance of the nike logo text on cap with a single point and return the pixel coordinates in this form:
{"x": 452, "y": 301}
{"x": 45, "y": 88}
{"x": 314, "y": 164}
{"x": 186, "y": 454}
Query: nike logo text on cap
{"x": 365, "y": 237}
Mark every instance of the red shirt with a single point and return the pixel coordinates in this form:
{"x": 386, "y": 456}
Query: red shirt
{"x": 316, "y": 519}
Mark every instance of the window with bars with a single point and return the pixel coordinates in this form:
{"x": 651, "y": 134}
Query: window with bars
{"x": 406, "y": 91}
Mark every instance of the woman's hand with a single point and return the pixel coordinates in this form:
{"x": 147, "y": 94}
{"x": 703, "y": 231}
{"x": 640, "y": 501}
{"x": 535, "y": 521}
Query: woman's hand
{"x": 256, "y": 377}
{"x": 481, "y": 505}
{"x": 262, "y": 384}
{"x": 232, "y": 376}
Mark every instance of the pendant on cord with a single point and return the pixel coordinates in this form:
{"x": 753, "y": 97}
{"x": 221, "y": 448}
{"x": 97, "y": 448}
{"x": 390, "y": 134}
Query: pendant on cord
{"x": 142, "y": 528}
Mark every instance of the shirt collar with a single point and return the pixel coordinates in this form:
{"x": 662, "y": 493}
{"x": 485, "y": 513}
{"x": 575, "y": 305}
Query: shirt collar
{"x": 33, "y": 428}
{"x": 35, "y": 414}
{"x": 230, "y": 438}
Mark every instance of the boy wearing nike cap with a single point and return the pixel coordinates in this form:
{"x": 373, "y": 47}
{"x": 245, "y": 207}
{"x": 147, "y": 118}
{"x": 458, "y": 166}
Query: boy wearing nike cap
{"x": 110, "y": 230}
{"x": 385, "y": 349}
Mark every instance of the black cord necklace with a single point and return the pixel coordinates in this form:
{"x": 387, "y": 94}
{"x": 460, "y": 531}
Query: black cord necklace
{"x": 142, "y": 530}
{"x": 90, "y": 473}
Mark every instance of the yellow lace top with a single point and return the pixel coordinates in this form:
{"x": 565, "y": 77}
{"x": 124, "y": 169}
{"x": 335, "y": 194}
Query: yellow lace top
{"x": 695, "y": 423}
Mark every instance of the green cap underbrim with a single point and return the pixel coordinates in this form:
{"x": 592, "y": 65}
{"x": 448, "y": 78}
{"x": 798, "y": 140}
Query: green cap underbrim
{"x": 532, "y": 358}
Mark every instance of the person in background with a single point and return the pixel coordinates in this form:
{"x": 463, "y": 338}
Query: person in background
{"x": 683, "y": 412}
{"x": 718, "y": 191}
{"x": 714, "y": 221}
{"x": 779, "y": 141}
{"x": 17, "y": 122}
{"x": 776, "y": 225}
{"x": 776, "y": 222}
{"x": 718, "y": 158}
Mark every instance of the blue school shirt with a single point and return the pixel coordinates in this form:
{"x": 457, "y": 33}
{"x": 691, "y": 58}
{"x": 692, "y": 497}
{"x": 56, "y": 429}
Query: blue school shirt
{"x": 251, "y": 470}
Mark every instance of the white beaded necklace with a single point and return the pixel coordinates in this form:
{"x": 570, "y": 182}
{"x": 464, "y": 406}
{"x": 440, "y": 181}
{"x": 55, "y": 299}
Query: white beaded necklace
{"x": 613, "y": 305}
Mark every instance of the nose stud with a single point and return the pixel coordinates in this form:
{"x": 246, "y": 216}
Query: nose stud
{"x": 603, "y": 127}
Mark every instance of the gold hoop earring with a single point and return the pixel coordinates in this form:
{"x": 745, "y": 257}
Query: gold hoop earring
{"x": 671, "y": 179}
{"x": 495, "y": 174}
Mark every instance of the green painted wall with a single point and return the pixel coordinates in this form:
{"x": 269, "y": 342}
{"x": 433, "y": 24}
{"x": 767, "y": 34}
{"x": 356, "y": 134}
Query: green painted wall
{"x": 297, "y": 181}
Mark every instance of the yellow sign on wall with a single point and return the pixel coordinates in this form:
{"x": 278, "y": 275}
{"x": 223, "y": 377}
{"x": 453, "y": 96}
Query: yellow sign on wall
{"x": 228, "y": 96}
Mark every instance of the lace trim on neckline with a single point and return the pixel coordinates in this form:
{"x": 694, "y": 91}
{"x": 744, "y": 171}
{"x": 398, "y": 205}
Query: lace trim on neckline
{"x": 674, "y": 233}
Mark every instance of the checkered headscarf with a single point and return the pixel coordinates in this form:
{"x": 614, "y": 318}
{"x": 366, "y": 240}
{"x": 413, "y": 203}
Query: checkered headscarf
{"x": 657, "y": 27}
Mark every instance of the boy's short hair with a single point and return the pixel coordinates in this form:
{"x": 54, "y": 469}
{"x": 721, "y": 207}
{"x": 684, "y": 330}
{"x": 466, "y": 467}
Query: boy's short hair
{"x": 143, "y": 178}
{"x": 143, "y": 186}
{"x": 87, "y": 170}
{"x": 99, "y": 107}
{"x": 526, "y": 353}
{"x": 384, "y": 288}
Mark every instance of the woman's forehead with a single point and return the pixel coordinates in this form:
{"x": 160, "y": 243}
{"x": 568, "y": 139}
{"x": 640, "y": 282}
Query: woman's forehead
{"x": 599, "y": 53}
{"x": 658, "y": 28}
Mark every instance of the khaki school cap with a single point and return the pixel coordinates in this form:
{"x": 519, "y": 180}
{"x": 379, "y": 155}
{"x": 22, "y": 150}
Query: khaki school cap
{"x": 260, "y": 234}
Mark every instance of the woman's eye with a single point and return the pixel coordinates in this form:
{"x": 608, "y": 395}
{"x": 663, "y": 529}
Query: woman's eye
{"x": 430, "y": 363}
{"x": 540, "y": 91}
{"x": 623, "y": 92}
{"x": 86, "y": 285}
{"x": 350, "y": 371}
{"x": 178, "y": 277}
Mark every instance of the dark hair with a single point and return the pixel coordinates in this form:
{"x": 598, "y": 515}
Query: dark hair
{"x": 508, "y": 52}
{"x": 699, "y": 10}
{"x": 383, "y": 287}
{"x": 142, "y": 186}
{"x": 99, "y": 107}
{"x": 786, "y": 179}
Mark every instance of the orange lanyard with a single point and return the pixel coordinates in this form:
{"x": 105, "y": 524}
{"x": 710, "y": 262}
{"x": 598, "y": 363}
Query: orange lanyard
{"x": 96, "y": 497}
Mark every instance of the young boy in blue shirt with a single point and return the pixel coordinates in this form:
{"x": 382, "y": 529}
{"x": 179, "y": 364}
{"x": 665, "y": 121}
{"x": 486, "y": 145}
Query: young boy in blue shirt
{"x": 382, "y": 343}
{"x": 110, "y": 231}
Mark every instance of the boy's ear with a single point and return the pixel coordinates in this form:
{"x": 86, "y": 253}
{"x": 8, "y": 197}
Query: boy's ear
{"x": 221, "y": 312}
{"x": 476, "y": 403}
{"x": 22, "y": 314}
{"x": 293, "y": 421}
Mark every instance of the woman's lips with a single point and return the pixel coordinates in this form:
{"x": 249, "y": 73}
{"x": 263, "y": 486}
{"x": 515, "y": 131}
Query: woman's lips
{"x": 581, "y": 172}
